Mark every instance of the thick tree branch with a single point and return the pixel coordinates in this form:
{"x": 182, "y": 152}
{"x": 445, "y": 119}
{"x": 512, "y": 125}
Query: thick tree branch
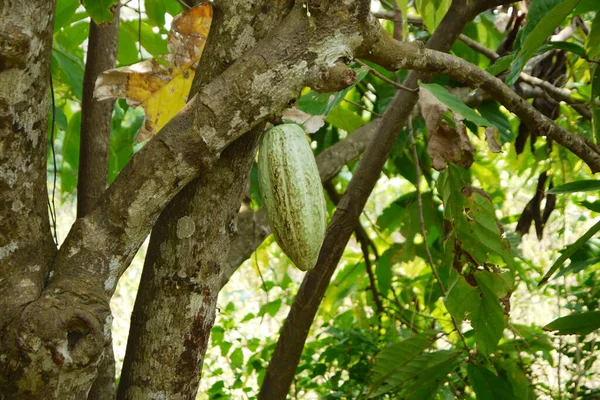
{"x": 181, "y": 277}
{"x": 286, "y": 356}
{"x": 395, "y": 55}
{"x": 558, "y": 94}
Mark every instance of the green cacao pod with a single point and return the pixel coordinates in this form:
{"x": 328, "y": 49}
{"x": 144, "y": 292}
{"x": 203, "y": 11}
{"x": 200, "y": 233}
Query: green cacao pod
{"x": 292, "y": 194}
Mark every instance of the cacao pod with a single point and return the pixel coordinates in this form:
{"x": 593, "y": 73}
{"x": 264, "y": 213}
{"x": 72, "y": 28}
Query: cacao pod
{"x": 292, "y": 194}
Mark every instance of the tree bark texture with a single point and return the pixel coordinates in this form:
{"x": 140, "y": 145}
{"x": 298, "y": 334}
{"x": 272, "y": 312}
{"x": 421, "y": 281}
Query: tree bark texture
{"x": 26, "y": 245}
{"x": 65, "y": 329}
{"x": 282, "y": 367}
{"x": 188, "y": 245}
{"x": 93, "y": 160}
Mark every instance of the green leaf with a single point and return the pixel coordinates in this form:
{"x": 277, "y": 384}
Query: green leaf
{"x": 384, "y": 271}
{"x": 421, "y": 377}
{"x": 70, "y": 155}
{"x": 156, "y": 9}
{"x": 576, "y": 323}
{"x": 577, "y": 186}
{"x": 473, "y": 219}
{"x": 127, "y": 51}
{"x": 124, "y": 128}
{"x": 481, "y": 305}
{"x": 65, "y": 9}
{"x": 462, "y": 298}
{"x": 152, "y": 42}
{"x": 101, "y": 11}
{"x": 595, "y": 72}
{"x": 567, "y": 46}
{"x": 455, "y": 104}
{"x": 403, "y": 7}
{"x": 586, "y": 6}
{"x": 501, "y": 64}
{"x": 537, "y": 31}
{"x": 343, "y": 117}
{"x": 593, "y": 206}
{"x": 490, "y": 110}
{"x": 72, "y": 36}
{"x": 487, "y": 320}
{"x": 435, "y": 367}
{"x": 70, "y": 70}
{"x": 489, "y": 386}
{"x": 571, "y": 249}
{"x": 237, "y": 358}
{"x": 432, "y": 12}
{"x": 391, "y": 363}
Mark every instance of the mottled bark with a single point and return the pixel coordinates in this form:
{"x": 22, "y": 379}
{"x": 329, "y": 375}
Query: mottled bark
{"x": 62, "y": 334}
{"x": 26, "y": 245}
{"x": 94, "y": 144}
{"x": 285, "y": 359}
{"x": 188, "y": 246}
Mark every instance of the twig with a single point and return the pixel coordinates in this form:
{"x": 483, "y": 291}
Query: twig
{"x": 422, "y": 224}
{"x": 362, "y": 107}
{"x": 53, "y": 208}
{"x": 386, "y": 79}
{"x": 478, "y": 47}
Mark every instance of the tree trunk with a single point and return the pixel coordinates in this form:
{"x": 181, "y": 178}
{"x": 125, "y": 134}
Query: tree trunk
{"x": 26, "y": 245}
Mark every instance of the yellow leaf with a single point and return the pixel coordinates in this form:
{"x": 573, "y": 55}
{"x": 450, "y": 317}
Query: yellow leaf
{"x": 161, "y": 90}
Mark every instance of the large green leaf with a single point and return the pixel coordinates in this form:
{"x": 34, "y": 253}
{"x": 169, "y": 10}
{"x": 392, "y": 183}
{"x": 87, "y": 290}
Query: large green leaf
{"x": 155, "y": 44}
{"x": 570, "y": 250}
{"x": 65, "y": 9}
{"x": 127, "y": 51}
{"x": 473, "y": 218}
{"x": 595, "y": 71}
{"x": 577, "y": 186}
{"x": 72, "y": 36}
{"x": 156, "y": 9}
{"x": 393, "y": 363}
{"x": 537, "y": 31}
{"x": 455, "y": 104}
{"x": 431, "y": 371}
{"x": 577, "y": 323}
{"x": 481, "y": 305}
{"x": 101, "y": 11}
{"x": 487, "y": 320}
{"x": 70, "y": 70}
{"x": 125, "y": 125}
{"x": 489, "y": 386}
{"x": 586, "y": 6}
{"x": 432, "y": 12}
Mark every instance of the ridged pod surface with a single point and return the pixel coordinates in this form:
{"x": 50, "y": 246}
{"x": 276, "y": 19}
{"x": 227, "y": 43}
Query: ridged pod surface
{"x": 292, "y": 194}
